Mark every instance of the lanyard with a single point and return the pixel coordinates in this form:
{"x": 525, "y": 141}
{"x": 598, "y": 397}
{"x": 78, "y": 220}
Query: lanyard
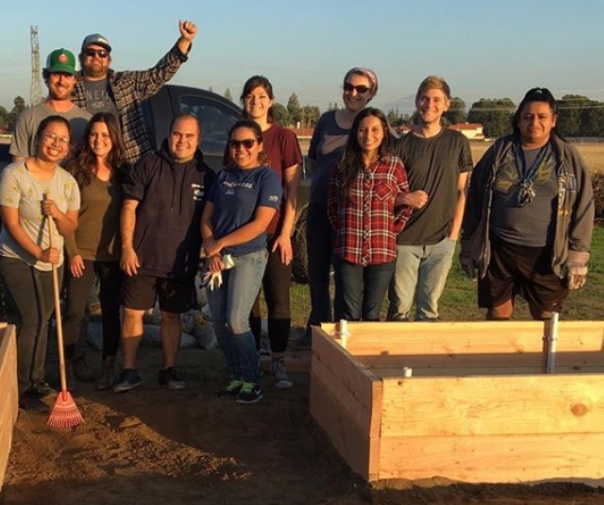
{"x": 524, "y": 174}
{"x": 526, "y": 191}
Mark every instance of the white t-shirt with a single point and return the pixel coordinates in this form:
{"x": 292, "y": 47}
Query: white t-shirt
{"x": 18, "y": 189}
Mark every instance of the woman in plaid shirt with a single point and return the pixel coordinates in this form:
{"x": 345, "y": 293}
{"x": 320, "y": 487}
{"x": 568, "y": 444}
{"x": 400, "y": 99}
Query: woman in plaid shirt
{"x": 367, "y": 207}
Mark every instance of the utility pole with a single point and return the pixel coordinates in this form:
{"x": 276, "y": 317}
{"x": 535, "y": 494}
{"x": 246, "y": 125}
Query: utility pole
{"x": 35, "y": 95}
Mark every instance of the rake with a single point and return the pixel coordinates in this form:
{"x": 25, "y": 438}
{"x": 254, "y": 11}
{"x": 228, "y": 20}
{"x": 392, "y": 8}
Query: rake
{"x": 65, "y": 413}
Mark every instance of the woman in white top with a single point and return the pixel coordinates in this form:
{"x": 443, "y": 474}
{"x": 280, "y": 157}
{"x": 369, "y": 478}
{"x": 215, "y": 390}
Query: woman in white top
{"x": 32, "y": 191}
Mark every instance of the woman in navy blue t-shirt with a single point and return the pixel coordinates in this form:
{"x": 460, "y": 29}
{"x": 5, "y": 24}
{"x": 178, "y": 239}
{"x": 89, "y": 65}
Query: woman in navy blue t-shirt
{"x": 241, "y": 204}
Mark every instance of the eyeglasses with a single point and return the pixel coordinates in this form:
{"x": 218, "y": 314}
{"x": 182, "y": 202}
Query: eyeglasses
{"x": 53, "y": 138}
{"x": 349, "y": 88}
{"x": 101, "y": 53}
{"x": 247, "y": 143}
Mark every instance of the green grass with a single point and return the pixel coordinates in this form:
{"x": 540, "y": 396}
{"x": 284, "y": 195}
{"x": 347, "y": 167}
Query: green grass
{"x": 458, "y": 302}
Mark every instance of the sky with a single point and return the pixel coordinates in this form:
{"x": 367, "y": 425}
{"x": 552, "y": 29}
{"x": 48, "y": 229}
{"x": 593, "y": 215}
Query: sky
{"x": 483, "y": 48}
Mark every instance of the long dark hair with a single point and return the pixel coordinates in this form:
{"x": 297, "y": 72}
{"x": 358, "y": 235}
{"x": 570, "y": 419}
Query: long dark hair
{"x": 83, "y": 162}
{"x": 251, "y": 125}
{"x": 352, "y": 160}
{"x": 259, "y": 81}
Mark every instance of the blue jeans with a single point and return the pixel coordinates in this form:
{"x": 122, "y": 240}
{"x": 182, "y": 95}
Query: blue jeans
{"x": 421, "y": 273}
{"x": 319, "y": 250}
{"x": 230, "y": 306}
{"x": 360, "y": 290}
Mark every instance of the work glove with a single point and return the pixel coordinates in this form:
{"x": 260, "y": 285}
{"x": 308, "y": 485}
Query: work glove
{"x": 575, "y": 275}
{"x": 213, "y": 280}
{"x": 467, "y": 263}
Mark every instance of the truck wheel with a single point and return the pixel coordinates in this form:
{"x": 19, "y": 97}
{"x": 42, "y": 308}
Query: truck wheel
{"x": 300, "y": 262}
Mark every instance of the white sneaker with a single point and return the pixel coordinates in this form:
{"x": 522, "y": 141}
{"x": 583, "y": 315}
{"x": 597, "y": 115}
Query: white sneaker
{"x": 282, "y": 380}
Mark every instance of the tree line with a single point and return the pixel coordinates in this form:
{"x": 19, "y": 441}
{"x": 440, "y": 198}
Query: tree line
{"x": 578, "y": 116}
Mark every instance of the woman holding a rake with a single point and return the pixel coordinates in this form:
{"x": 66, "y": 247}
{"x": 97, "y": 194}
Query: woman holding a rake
{"x": 32, "y": 191}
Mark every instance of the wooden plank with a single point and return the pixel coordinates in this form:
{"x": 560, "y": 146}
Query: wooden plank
{"x": 9, "y": 398}
{"x": 466, "y": 338}
{"x": 454, "y": 361}
{"x": 527, "y": 404}
{"x": 356, "y": 387}
{"x": 494, "y": 459}
{"x": 469, "y": 371}
{"x": 352, "y": 442}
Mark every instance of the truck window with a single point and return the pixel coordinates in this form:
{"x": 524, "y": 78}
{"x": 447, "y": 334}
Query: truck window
{"x": 216, "y": 121}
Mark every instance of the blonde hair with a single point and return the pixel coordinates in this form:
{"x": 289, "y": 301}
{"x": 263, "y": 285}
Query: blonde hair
{"x": 433, "y": 82}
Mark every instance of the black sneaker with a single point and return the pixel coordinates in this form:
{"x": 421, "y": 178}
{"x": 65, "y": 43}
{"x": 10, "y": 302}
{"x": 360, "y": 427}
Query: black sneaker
{"x": 31, "y": 402}
{"x": 128, "y": 379}
{"x": 41, "y": 389}
{"x": 169, "y": 378}
{"x": 82, "y": 371}
{"x": 249, "y": 393}
{"x": 231, "y": 390}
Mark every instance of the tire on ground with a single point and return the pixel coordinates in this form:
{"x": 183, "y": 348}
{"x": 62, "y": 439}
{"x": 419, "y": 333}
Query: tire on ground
{"x": 300, "y": 262}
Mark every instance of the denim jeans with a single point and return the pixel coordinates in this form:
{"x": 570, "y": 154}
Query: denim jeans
{"x": 319, "y": 249}
{"x": 421, "y": 273}
{"x": 75, "y": 321}
{"x": 31, "y": 293}
{"x": 230, "y": 305}
{"x": 360, "y": 290}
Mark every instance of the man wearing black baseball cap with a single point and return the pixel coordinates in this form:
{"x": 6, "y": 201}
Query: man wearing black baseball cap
{"x": 101, "y": 89}
{"x": 60, "y": 75}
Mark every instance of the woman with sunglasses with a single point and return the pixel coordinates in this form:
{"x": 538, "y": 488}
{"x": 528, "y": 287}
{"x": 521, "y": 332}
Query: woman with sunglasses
{"x": 32, "y": 192}
{"x": 240, "y": 205}
{"x": 325, "y": 151}
{"x": 285, "y": 158}
{"x": 99, "y": 168}
{"x": 362, "y": 196}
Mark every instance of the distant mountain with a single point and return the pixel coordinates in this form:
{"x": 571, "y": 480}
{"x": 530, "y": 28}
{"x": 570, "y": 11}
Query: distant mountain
{"x": 406, "y": 105}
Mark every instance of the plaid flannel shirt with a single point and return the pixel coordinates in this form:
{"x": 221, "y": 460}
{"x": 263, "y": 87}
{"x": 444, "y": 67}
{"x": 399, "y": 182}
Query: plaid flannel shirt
{"x": 129, "y": 90}
{"x": 363, "y": 216}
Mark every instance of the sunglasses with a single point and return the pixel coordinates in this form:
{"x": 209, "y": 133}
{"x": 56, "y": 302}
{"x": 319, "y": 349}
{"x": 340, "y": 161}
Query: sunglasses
{"x": 247, "y": 143}
{"x": 101, "y": 53}
{"x": 349, "y": 88}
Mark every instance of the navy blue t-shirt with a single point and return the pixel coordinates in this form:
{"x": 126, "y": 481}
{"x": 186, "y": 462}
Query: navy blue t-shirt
{"x": 236, "y": 194}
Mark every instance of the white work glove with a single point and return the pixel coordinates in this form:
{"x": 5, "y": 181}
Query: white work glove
{"x": 213, "y": 280}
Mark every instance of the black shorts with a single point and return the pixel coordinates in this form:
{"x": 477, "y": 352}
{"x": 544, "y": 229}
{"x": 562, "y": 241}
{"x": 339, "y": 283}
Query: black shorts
{"x": 521, "y": 270}
{"x": 139, "y": 292}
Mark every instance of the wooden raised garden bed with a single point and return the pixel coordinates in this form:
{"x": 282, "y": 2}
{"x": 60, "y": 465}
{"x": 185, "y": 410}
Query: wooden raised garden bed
{"x": 8, "y": 393}
{"x": 478, "y": 406}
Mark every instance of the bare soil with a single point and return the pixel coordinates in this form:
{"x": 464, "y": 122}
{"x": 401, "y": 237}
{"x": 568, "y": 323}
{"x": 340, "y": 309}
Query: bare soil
{"x": 151, "y": 446}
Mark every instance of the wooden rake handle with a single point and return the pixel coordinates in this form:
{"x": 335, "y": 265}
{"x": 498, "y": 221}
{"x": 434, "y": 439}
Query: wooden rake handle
{"x": 58, "y": 317}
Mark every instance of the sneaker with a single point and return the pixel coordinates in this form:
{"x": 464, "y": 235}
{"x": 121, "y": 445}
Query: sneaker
{"x": 127, "y": 380}
{"x": 265, "y": 348}
{"x": 249, "y": 393}
{"x": 304, "y": 343}
{"x": 282, "y": 380}
{"x": 169, "y": 378}
{"x": 106, "y": 380}
{"x": 82, "y": 371}
{"x": 231, "y": 390}
{"x": 31, "y": 402}
{"x": 41, "y": 389}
